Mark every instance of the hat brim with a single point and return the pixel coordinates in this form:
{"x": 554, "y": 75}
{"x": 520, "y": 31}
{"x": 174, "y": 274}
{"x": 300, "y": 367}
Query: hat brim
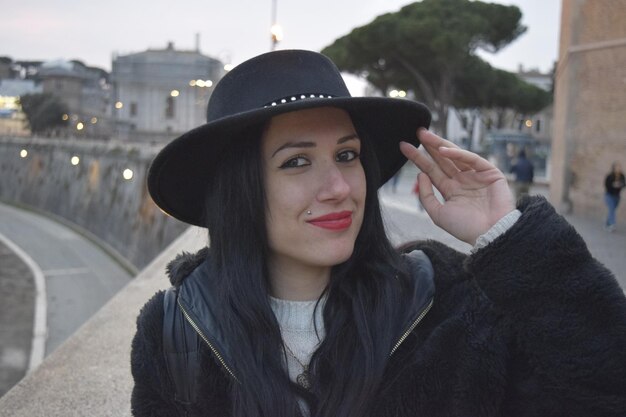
{"x": 179, "y": 174}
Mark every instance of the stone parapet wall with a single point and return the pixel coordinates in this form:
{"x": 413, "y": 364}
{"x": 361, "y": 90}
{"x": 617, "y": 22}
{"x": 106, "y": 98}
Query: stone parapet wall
{"x": 92, "y": 194}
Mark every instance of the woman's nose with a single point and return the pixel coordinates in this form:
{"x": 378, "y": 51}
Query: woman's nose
{"x": 334, "y": 185}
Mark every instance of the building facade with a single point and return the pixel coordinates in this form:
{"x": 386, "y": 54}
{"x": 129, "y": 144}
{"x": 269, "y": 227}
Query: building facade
{"x": 531, "y": 133}
{"x": 12, "y": 119}
{"x": 590, "y": 105}
{"x": 159, "y": 94}
{"x": 539, "y": 125}
{"x": 85, "y": 90}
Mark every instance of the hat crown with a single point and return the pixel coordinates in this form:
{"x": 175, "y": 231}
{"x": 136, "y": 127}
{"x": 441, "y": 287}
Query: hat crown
{"x": 274, "y": 76}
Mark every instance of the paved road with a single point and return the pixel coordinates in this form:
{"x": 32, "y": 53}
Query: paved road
{"x": 79, "y": 276}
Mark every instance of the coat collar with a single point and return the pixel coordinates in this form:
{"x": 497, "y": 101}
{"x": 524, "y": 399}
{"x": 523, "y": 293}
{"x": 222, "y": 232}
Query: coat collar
{"x": 196, "y": 283}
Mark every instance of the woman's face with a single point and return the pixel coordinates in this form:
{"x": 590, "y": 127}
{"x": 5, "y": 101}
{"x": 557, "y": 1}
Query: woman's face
{"x": 311, "y": 163}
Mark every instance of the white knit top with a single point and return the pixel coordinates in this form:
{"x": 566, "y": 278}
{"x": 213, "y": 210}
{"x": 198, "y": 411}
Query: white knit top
{"x": 298, "y": 329}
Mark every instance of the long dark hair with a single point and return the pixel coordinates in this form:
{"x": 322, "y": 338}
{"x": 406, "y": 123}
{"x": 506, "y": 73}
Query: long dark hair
{"x": 364, "y": 297}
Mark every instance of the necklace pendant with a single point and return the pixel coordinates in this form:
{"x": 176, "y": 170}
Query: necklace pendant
{"x": 303, "y": 379}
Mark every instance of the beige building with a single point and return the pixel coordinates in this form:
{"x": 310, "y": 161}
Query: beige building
{"x": 84, "y": 90}
{"x": 160, "y": 93}
{"x": 590, "y": 105}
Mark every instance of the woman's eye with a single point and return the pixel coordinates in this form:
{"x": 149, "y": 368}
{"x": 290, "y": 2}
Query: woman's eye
{"x": 347, "y": 156}
{"x": 295, "y": 162}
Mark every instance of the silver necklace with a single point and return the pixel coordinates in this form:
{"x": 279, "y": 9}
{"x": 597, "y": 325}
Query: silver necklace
{"x": 303, "y": 377}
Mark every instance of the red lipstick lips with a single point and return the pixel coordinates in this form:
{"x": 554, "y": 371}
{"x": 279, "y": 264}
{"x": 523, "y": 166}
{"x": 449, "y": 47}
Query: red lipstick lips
{"x": 333, "y": 221}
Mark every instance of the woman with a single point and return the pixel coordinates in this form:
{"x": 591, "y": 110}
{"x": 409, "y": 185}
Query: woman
{"x": 613, "y": 184}
{"x": 302, "y": 307}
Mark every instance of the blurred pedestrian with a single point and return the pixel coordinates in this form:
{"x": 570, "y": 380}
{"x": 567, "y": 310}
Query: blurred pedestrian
{"x": 613, "y": 184}
{"x": 524, "y": 174}
{"x": 416, "y": 191}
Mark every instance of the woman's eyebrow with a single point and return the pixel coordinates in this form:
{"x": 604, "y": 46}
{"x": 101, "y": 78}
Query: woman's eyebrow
{"x": 294, "y": 145}
{"x": 344, "y": 139}
{"x": 303, "y": 144}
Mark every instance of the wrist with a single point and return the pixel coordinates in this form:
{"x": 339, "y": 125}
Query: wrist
{"x": 501, "y": 226}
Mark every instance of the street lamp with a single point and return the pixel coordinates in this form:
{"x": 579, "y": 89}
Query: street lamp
{"x": 277, "y": 34}
{"x": 276, "y": 31}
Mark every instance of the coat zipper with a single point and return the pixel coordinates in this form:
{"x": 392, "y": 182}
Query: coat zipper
{"x": 215, "y": 351}
{"x": 412, "y": 326}
{"x": 219, "y": 357}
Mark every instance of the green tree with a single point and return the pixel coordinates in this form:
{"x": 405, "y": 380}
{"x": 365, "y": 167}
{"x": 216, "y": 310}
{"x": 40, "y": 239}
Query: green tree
{"x": 481, "y": 86}
{"x": 426, "y": 46}
{"x": 43, "y": 111}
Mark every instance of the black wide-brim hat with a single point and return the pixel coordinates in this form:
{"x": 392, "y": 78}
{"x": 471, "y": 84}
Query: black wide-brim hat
{"x": 251, "y": 94}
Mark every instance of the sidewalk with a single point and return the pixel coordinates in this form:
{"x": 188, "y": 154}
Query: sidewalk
{"x": 608, "y": 248}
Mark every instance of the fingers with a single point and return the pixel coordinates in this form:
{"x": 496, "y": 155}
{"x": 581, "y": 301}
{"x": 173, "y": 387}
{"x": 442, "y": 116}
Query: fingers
{"x": 448, "y": 154}
{"x": 432, "y": 143}
{"x": 427, "y": 196}
{"x": 432, "y": 166}
{"x": 449, "y": 167}
{"x": 428, "y": 138}
{"x": 466, "y": 158}
{"x": 424, "y": 163}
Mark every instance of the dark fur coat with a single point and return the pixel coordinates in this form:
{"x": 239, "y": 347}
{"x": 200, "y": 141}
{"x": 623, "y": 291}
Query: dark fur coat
{"x": 531, "y": 325}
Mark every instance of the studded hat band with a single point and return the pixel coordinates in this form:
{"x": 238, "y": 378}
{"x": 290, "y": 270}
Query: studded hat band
{"x": 297, "y": 97}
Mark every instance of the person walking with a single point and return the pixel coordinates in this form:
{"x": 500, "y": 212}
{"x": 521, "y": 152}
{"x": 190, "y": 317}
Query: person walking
{"x": 416, "y": 191}
{"x": 613, "y": 184}
{"x": 524, "y": 174}
{"x": 302, "y": 307}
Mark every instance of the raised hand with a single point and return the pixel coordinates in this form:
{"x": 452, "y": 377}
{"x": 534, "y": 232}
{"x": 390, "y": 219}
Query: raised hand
{"x": 476, "y": 193}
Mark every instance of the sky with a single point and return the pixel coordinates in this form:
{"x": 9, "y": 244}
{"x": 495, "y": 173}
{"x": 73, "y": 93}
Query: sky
{"x": 232, "y": 31}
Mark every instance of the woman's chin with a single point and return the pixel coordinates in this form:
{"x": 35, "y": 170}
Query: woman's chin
{"x": 332, "y": 255}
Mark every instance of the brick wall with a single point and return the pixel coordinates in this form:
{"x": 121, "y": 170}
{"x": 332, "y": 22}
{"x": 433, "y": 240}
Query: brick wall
{"x": 590, "y": 104}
